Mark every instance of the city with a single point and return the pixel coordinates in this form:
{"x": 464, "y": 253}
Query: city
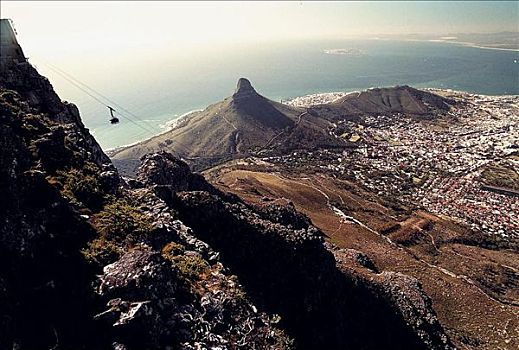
{"x": 435, "y": 163}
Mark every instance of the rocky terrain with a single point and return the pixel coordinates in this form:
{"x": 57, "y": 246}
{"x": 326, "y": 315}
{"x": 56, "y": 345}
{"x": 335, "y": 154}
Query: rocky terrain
{"x": 92, "y": 260}
{"x": 426, "y": 188}
{"x": 471, "y": 277}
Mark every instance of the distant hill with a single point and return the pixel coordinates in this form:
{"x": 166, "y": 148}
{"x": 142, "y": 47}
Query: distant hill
{"x": 247, "y": 123}
{"x": 398, "y": 99}
{"x": 242, "y": 123}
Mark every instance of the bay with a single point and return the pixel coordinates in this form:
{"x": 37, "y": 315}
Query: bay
{"x": 289, "y": 69}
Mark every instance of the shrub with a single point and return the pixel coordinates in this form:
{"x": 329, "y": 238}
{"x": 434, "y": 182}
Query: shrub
{"x": 81, "y": 187}
{"x": 87, "y": 191}
{"x": 122, "y": 220}
{"x": 190, "y": 266}
{"x": 172, "y": 249}
{"x": 102, "y": 251}
{"x": 120, "y": 225}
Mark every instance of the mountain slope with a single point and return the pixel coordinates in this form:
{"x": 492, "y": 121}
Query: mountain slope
{"x": 399, "y": 99}
{"x": 248, "y": 123}
{"x": 87, "y": 263}
{"x": 470, "y": 280}
{"x": 240, "y": 124}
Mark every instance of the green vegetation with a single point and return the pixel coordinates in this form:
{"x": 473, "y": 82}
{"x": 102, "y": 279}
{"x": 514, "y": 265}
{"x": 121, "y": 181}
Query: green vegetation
{"x": 81, "y": 186}
{"x": 102, "y": 251}
{"x": 172, "y": 249}
{"x": 501, "y": 175}
{"x": 120, "y": 220}
{"x": 85, "y": 188}
{"x": 190, "y": 266}
{"x": 120, "y": 225}
{"x": 192, "y": 269}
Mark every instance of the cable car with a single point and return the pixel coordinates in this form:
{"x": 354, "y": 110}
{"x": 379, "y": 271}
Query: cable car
{"x": 113, "y": 119}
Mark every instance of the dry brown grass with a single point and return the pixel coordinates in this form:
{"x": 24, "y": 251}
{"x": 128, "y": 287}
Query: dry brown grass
{"x": 453, "y": 275}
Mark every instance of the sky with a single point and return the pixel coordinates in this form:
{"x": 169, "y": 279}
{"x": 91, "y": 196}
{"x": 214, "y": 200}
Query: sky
{"x": 73, "y": 28}
{"x": 94, "y": 38}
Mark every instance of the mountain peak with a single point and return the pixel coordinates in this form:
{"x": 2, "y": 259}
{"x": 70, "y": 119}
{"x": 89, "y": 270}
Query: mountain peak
{"x": 244, "y": 89}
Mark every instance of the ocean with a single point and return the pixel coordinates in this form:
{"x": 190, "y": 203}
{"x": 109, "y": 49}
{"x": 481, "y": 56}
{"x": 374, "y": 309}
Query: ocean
{"x": 285, "y": 70}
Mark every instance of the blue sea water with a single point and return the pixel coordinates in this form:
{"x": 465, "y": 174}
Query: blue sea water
{"x": 284, "y": 70}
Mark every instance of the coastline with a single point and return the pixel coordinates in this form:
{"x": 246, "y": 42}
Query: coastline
{"x": 298, "y": 101}
{"x": 474, "y": 45}
{"x": 173, "y": 123}
{"x": 446, "y": 41}
{"x": 167, "y": 126}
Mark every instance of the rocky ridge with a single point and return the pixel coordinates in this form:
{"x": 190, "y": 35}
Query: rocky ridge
{"x": 90, "y": 260}
{"x": 67, "y": 217}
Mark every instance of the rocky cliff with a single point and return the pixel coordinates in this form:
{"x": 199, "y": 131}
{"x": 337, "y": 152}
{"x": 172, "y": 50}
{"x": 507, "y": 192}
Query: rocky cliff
{"x": 89, "y": 260}
{"x": 89, "y": 263}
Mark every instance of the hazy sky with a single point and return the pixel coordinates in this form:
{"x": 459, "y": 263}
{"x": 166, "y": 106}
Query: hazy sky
{"x": 100, "y": 41}
{"x": 81, "y": 27}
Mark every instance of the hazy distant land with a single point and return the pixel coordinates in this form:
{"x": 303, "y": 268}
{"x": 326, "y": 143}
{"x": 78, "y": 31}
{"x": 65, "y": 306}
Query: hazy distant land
{"x": 497, "y": 41}
{"x": 353, "y": 52}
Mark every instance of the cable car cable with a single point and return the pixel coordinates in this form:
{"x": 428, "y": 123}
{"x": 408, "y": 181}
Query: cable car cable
{"x": 100, "y": 101}
{"x": 83, "y": 87}
{"x": 100, "y": 95}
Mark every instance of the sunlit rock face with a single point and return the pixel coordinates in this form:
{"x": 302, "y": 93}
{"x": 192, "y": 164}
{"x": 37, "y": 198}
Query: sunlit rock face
{"x": 9, "y": 47}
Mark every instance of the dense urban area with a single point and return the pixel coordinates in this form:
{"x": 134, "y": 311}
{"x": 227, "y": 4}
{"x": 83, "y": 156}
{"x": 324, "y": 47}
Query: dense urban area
{"x": 463, "y": 163}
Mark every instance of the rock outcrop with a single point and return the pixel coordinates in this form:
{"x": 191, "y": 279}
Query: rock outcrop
{"x": 44, "y": 276}
{"x": 66, "y": 218}
{"x": 289, "y": 272}
{"x": 164, "y": 169}
{"x": 244, "y": 90}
